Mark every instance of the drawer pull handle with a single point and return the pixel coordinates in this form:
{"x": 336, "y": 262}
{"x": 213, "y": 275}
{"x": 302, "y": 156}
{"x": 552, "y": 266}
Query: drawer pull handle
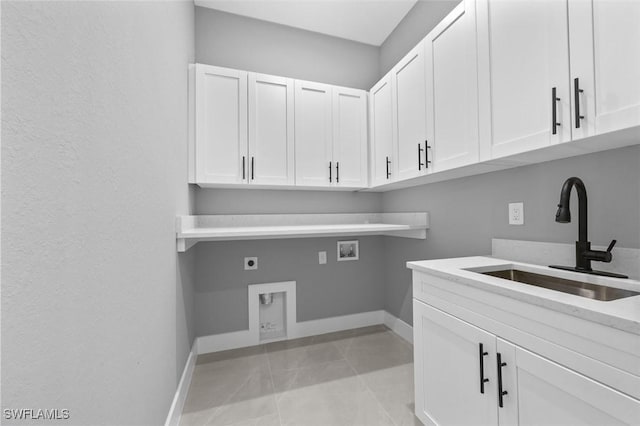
{"x": 501, "y": 392}
{"x": 554, "y": 111}
{"x": 576, "y": 93}
{"x": 481, "y": 355}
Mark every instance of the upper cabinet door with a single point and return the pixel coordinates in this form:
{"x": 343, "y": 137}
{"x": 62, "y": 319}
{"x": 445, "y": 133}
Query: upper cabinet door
{"x": 410, "y": 115}
{"x": 313, "y": 134}
{"x": 523, "y": 60}
{"x": 382, "y": 136}
{"x": 605, "y": 65}
{"x": 221, "y": 124}
{"x": 271, "y": 145}
{"x": 451, "y": 356}
{"x": 350, "y": 137}
{"x": 452, "y": 89}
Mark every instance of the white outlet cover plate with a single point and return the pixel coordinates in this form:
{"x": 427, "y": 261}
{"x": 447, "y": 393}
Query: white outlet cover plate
{"x": 516, "y": 213}
{"x": 322, "y": 257}
{"x": 247, "y": 267}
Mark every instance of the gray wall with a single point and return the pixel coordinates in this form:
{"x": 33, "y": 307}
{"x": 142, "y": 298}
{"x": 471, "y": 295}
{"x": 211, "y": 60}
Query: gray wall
{"x": 93, "y": 120}
{"x": 322, "y": 290}
{"x": 337, "y": 288}
{"x": 421, "y": 19}
{"x": 235, "y": 41}
{"x": 466, "y": 213}
{"x": 257, "y": 201}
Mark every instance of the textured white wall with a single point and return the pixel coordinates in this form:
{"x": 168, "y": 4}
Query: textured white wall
{"x": 93, "y": 133}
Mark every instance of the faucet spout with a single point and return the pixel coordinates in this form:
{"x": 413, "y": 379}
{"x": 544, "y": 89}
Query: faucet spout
{"x": 563, "y": 215}
{"x": 584, "y": 254}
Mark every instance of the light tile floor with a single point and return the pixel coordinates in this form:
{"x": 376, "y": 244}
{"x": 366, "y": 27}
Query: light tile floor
{"x": 354, "y": 377}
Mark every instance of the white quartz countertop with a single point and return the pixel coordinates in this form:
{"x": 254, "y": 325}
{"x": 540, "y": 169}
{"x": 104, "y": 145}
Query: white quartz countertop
{"x": 623, "y": 314}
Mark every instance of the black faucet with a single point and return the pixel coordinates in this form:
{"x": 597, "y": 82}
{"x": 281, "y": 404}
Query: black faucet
{"x": 584, "y": 254}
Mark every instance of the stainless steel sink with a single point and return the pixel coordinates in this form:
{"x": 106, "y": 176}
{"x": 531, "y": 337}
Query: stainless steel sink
{"x": 588, "y": 290}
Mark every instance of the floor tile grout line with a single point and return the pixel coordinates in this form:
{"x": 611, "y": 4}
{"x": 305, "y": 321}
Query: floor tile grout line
{"x": 369, "y": 389}
{"x": 273, "y": 384}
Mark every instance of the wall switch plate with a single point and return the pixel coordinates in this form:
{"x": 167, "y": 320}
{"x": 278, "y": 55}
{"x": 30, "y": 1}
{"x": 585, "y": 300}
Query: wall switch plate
{"x": 516, "y": 213}
{"x": 250, "y": 263}
{"x": 322, "y": 257}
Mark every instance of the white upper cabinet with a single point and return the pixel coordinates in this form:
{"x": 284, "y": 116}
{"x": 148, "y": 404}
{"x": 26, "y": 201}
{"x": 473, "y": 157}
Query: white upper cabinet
{"x": 313, "y": 130}
{"x": 350, "y": 137}
{"x": 523, "y": 75}
{"x": 219, "y": 147}
{"x": 271, "y": 140}
{"x": 605, "y": 65}
{"x": 452, "y": 90}
{"x": 381, "y": 133}
{"x": 408, "y": 82}
{"x": 331, "y": 136}
{"x": 269, "y": 131}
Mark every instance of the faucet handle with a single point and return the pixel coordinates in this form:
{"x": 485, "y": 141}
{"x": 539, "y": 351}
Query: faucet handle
{"x": 613, "y": 243}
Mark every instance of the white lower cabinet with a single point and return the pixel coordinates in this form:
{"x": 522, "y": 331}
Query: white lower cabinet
{"x": 447, "y": 369}
{"x": 548, "y": 393}
{"x": 465, "y": 375}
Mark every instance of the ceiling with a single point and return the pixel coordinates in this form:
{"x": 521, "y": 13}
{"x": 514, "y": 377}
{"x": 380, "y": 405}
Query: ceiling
{"x": 365, "y": 21}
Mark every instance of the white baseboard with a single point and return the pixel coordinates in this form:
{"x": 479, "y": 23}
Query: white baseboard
{"x": 399, "y": 327}
{"x": 244, "y": 338}
{"x": 344, "y": 322}
{"x": 173, "y": 418}
{"x": 225, "y": 341}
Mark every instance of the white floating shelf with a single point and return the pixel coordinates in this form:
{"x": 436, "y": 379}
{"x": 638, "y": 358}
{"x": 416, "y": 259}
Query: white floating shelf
{"x": 193, "y": 229}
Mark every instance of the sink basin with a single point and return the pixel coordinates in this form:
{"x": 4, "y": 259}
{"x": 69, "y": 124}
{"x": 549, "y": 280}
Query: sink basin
{"x": 588, "y": 290}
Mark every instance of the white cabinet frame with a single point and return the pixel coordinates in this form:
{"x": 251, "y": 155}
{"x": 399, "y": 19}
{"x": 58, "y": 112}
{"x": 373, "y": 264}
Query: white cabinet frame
{"x": 271, "y": 138}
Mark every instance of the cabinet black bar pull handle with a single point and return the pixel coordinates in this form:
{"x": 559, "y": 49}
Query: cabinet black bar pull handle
{"x": 420, "y": 163}
{"x": 554, "y": 100}
{"x": 501, "y": 392}
{"x": 576, "y": 93}
{"x": 337, "y": 172}
{"x": 329, "y": 171}
{"x": 426, "y": 152}
{"x": 388, "y": 162}
{"x": 244, "y": 166}
{"x": 252, "y": 168}
{"x": 481, "y": 355}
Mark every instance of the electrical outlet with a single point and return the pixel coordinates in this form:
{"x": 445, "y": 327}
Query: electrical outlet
{"x": 250, "y": 263}
{"x": 516, "y": 213}
{"x": 322, "y": 257}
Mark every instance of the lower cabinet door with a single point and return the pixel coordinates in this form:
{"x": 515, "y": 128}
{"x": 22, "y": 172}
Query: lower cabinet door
{"x": 546, "y": 393}
{"x": 455, "y": 380}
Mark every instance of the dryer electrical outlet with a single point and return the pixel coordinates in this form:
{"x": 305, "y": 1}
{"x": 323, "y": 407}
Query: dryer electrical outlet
{"x": 250, "y": 263}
